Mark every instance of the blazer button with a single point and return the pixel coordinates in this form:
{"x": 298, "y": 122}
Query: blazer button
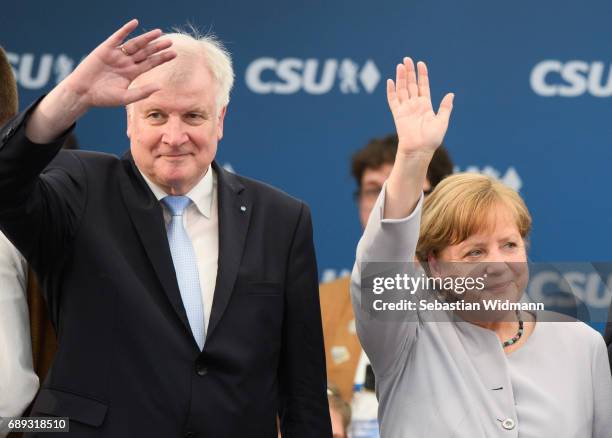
{"x": 201, "y": 370}
{"x": 508, "y": 424}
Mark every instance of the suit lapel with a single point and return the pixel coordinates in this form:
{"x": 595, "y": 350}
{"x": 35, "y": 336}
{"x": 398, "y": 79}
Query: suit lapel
{"x": 234, "y": 216}
{"x": 147, "y": 217}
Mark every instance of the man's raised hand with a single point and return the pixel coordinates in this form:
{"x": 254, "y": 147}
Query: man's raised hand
{"x": 103, "y": 77}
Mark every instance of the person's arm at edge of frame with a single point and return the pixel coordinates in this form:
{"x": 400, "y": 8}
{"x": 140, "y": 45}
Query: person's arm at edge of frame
{"x": 602, "y": 389}
{"x": 608, "y": 335}
{"x": 18, "y": 382}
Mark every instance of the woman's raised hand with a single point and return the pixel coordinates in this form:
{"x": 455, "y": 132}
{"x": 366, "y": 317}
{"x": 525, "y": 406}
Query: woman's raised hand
{"x": 419, "y": 129}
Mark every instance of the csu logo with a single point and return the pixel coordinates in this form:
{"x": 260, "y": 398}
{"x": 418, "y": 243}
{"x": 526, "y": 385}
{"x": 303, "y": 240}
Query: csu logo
{"x": 36, "y": 71}
{"x": 291, "y": 75}
{"x": 592, "y": 288}
{"x": 571, "y": 79}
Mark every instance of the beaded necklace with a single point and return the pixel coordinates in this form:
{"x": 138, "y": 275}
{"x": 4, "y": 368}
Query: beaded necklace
{"x": 519, "y": 333}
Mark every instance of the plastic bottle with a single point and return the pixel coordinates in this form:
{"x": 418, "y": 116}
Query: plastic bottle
{"x": 364, "y": 406}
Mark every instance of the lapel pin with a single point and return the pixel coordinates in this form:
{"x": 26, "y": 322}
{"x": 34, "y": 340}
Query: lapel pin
{"x": 242, "y": 208}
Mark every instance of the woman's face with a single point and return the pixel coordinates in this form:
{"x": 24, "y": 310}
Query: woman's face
{"x": 497, "y": 256}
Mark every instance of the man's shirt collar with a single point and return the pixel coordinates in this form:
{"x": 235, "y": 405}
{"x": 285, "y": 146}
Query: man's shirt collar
{"x": 201, "y": 194}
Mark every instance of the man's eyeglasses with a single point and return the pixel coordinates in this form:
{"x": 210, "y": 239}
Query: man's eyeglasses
{"x": 371, "y": 194}
{"x": 366, "y": 194}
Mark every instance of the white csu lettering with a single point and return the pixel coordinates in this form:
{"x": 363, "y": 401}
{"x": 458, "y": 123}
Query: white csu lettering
{"x": 23, "y": 67}
{"x": 570, "y": 79}
{"x": 587, "y": 287}
{"x": 32, "y": 73}
{"x": 290, "y": 75}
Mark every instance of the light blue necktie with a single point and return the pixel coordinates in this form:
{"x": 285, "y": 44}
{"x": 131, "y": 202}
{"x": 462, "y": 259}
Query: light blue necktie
{"x": 185, "y": 265}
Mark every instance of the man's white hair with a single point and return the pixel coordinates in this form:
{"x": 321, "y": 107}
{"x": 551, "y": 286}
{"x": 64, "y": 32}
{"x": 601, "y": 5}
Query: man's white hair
{"x": 216, "y": 57}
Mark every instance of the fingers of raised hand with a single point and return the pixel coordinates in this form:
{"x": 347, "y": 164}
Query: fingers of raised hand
{"x": 411, "y": 78}
{"x": 446, "y": 107}
{"x": 392, "y": 95}
{"x": 120, "y": 35}
{"x": 141, "y": 53}
{"x": 155, "y": 60}
{"x": 138, "y": 93}
{"x": 401, "y": 84}
{"x": 151, "y": 49}
{"x": 138, "y": 49}
{"x": 408, "y": 85}
{"x": 423, "y": 82}
{"x": 136, "y": 44}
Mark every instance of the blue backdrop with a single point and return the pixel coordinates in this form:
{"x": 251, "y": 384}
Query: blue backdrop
{"x": 532, "y": 83}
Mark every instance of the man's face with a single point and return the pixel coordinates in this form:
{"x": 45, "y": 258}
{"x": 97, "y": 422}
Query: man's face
{"x": 174, "y": 132}
{"x": 372, "y": 181}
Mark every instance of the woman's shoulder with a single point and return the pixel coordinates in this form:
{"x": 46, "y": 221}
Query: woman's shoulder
{"x": 560, "y": 328}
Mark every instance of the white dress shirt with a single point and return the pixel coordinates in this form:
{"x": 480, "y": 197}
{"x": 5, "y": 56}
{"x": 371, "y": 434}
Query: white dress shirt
{"x": 18, "y": 382}
{"x": 201, "y": 221}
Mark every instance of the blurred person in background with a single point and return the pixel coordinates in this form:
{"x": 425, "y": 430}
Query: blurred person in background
{"x": 17, "y": 279}
{"x": 18, "y": 381}
{"x": 371, "y": 166}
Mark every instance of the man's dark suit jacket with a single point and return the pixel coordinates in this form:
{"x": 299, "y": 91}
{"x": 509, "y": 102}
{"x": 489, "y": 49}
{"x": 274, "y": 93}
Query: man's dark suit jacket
{"x": 127, "y": 364}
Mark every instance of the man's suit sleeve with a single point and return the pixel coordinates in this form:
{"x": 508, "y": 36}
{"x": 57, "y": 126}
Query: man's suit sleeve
{"x": 39, "y": 203}
{"x": 303, "y": 410}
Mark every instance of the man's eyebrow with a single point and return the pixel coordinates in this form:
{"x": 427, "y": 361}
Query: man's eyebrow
{"x": 152, "y": 108}
{"x": 201, "y": 110}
